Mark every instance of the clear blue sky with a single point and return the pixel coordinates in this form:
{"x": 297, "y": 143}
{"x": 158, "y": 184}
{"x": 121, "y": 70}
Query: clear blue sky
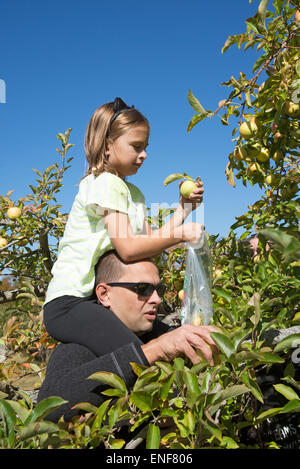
{"x": 60, "y": 60}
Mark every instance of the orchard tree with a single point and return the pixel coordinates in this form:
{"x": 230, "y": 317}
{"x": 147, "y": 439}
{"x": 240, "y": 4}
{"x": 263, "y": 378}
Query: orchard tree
{"x": 29, "y": 225}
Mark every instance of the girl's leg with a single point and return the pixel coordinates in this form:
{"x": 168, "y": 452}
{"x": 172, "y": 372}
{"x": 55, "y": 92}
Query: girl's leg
{"x": 70, "y": 319}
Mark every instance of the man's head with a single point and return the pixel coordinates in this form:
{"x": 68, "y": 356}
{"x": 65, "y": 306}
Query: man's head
{"x": 136, "y": 311}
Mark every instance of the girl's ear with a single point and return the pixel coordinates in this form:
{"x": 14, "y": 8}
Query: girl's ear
{"x": 108, "y": 147}
{"x": 102, "y": 293}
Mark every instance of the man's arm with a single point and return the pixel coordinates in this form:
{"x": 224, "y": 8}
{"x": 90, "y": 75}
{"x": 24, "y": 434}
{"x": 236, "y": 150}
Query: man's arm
{"x": 71, "y": 364}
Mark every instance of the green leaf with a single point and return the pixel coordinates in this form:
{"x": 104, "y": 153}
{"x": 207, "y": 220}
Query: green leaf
{"x": 37, "y": 172}
{"x": 229, "y": 42}
{"x": 166, "y": 367}
{"x": 86, "y": 406}
{"x": 230, "y": 175}
{"x": 21, "y": 411}
{"x": 253, "y": 386}
{"x": 175, "y": 177}
{"x": 229, "y": 393}
{"x": 292, "y": 340}
{"x": 269, "y": 413}
{"x": 9, "y": 417}
{"x": 191, "y": 381}
{"x": 114, "y": 413}
{"x": 286, "y": 391}
{"x": 213, "y": 429}
{"x": 222, "y": 293}
{"x": 189, "y": 421}
{"x": 113, "y": 392}
{"x": 224, "y": 344}
{"x": 44, "y": 408}
{"x": 195, "y": 103}
{"x": 262, "y": 12}
{"x": 117, "y": 444}
{"x": 229, "y": 443}
{"x": 298, "y": 67}
{"x": 166, "y": 387}
{"x": 153, "y": 437}
{"x": 142, "y": 400}
{"x": 100, "y": 414}
{"x": 144, "y": 378}
{"x": 237, "y": 338}
{"x": 260, "y": 61}
{"x": 195, "y": 120}
{"x": 256, "y": 317}
{"x": 278, "y": 5}
{"x": 110, "y": 378}
{"x": 37, "y": 428}
{"x": 49, "y": 169}
{"x": 270, "y": 357}
{"x": 292, "y": 406}
{"x": 137, "y": 368}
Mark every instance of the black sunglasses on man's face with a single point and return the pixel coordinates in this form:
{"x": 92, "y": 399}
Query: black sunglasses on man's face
{"x": 141, "y": 288}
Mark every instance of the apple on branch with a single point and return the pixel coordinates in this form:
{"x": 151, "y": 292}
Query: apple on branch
{"x": 13, "y": 213}
{"x": 187, "y": 187}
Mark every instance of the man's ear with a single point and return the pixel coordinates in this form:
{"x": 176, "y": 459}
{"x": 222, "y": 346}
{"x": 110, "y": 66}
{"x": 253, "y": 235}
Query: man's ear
{"x": 102, "y": 292}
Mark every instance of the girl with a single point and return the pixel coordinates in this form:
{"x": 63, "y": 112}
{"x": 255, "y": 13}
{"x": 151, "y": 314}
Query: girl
{"x": 108, "y": 213}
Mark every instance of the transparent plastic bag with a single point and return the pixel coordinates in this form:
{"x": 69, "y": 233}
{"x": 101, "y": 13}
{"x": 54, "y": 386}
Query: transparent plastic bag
{"x": 197, "y": 306}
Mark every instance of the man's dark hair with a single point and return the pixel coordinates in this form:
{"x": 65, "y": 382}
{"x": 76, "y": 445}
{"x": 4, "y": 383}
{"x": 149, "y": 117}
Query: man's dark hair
{"x": 109, "y": 268}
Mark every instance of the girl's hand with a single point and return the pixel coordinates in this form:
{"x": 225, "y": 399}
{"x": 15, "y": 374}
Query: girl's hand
{"x": 195, "y": 198}
{"x": 190, "y": 232}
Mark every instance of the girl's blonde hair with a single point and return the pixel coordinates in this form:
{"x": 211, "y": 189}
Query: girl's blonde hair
{"x": 96, "y": 137}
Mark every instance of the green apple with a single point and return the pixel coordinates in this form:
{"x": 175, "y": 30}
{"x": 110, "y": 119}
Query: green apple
{"x": 253, "y": 167}
{"x": 248, "y": 129}
{"x": 292, "y": 109}
{"x": 237, "y": 154}
{"x": 3, "y": 242}
{"x": 278, "y": 156}
{"x": 186, "y": 188}
{"x": 217, "y": 273}
{"x": 14, "y": 212}
{"x": 263, "y": 155}
{"x": 272, "y": 179}
{"x": 181, "y": 295}
{"x": 289, "y": 191}
{"x": 253, "y": 150}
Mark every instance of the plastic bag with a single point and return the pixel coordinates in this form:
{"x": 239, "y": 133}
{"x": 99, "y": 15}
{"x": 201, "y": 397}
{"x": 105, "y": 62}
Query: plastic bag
{"x": 197, "y": 306}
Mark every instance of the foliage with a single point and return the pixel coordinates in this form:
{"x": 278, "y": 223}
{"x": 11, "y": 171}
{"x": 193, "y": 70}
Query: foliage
{"x": 256, "y": 284}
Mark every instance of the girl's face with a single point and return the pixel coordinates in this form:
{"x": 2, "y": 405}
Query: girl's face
{"x": 128, "y": 152}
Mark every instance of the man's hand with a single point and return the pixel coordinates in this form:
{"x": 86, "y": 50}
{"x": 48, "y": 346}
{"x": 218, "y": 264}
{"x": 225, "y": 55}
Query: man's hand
{"x": 181, "y": 342}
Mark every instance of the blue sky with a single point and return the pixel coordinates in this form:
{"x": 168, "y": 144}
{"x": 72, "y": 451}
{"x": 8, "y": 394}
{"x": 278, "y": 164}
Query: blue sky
{"x": 60, "y": 60}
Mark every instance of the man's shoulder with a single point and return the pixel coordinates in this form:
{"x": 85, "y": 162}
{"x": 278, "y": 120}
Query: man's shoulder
{"x": 68, "y": 353}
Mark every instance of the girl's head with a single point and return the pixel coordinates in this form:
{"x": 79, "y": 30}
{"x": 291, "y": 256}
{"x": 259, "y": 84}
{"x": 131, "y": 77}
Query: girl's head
{"x": 116, "y": 139}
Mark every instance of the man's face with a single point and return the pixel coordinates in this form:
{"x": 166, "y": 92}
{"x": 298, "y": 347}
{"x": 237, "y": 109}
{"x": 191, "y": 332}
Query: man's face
{"x": 136, "y": 312}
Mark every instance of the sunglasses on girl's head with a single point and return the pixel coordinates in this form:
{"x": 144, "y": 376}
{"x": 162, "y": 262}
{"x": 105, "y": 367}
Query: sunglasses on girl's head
{"x": 141, "y": 288}
{"x": 119, "y": 106}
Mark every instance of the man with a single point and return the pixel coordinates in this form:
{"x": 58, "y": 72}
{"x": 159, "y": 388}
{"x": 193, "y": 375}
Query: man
{"x": 130, "y": 291}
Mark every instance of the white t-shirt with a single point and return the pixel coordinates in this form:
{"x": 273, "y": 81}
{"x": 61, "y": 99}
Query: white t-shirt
{"x": 85, "y": 237}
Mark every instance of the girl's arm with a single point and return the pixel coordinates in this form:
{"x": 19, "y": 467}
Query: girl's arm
{"x": 133, "y": 247}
